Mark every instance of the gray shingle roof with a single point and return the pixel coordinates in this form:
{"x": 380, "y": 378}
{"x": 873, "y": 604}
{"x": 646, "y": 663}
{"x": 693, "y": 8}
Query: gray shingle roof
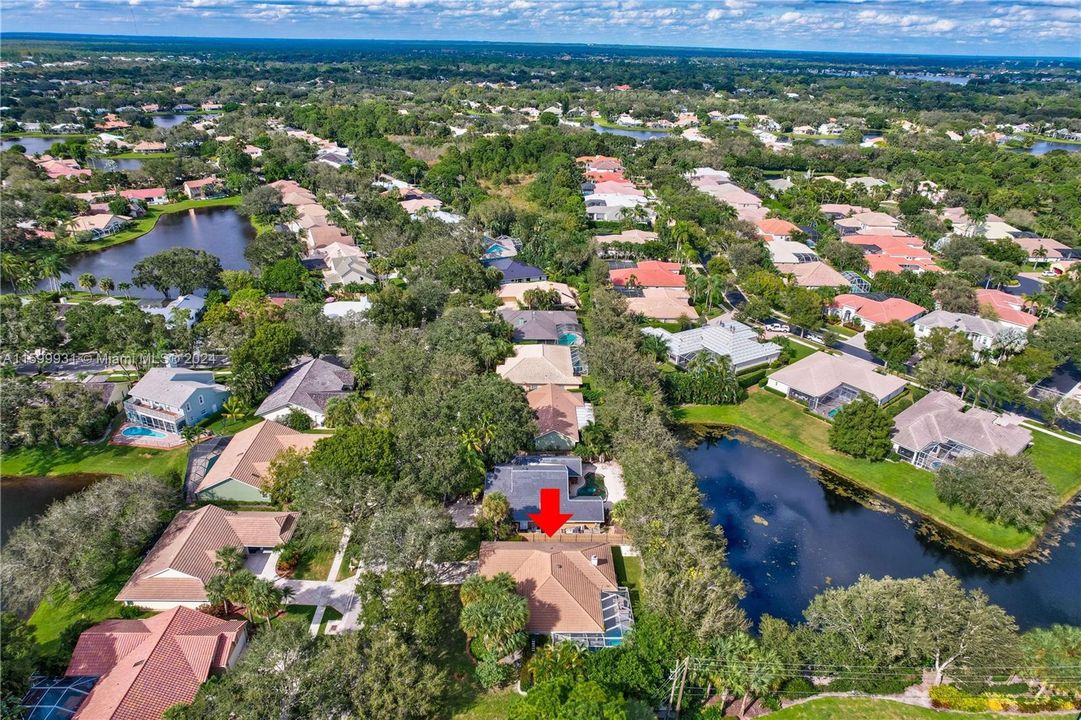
{"x": 308, "y": 386}
{"x": 173, "y": 386}
{"x": 540, "y": 325}
{"x": 941, "y": 416}
{"x": 521, "y": 483}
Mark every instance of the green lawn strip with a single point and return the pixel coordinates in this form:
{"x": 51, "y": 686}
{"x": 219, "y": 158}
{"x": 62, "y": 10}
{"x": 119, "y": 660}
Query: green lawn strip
{"x": 100, "y": 458}
{"x": 785, "y": 423}
{"x": 1060, "y": 461}
{"x": 628, "y": 573}
{"x": 224, "y": 426}
{"x": 315, "y": 565}
{"x": 53, "y": 615}
{"x": 141, "y": 226}
{"x": 866, "y": 709}
{"x": 329, "y": 615}
{"x": 494, "y": 705}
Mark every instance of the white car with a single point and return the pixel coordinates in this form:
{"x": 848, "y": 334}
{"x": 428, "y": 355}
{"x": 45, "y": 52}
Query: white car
{"x": 1048, "y": 273}
{"x": 777, "y": 327}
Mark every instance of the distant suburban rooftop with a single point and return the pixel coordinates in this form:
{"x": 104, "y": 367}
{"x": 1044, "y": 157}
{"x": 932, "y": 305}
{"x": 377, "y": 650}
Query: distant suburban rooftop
{"x": 963, "y": 322}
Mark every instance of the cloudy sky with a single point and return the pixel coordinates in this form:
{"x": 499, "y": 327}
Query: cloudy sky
{"x": 976, "y": 27}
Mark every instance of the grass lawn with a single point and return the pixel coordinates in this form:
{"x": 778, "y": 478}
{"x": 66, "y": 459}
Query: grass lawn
{"x": 1060, "y": 461}
{"x": 52, "y": 616}
{"x": 785, "y": 423}
{"x": 329, "y": 615}
{"x": 316, "y": 565}
{"x": 629, "y": 574}
{"x": 494, "y": 705}
{"x": 222, "y": 425}
{"x": 100, "y": 458}
{"x": 141, "y": 226}
{"x": 866, "y": 709}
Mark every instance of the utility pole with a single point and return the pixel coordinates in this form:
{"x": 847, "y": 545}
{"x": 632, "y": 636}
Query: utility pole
{"x": 682, "y": 683}
{"x": 672, "y": 694}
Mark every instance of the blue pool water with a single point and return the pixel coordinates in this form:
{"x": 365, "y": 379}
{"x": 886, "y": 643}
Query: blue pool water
{"x": 142, "y": 432}
{"x": 568, "y": 339}
{"x": 834, "y": 411}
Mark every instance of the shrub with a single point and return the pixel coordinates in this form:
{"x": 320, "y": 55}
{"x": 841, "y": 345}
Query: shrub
{"x": 288, "y": 559}
{"x": 298, "y": 420}
{"x": 873, "y": 686}
{"x": 490, "y": 673}
{"x": 796, "y": 688}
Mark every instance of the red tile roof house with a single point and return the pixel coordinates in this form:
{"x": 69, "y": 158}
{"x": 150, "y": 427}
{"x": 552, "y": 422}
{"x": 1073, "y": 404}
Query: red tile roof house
{"x": 649, "y": 273}
{"x": 176, "y": 570}
{"x": 893, "y": 253}
{"x": 144, "y": 667}
{"x": 775, "y": 229}
{"x": 203, "y": 188}
{"x": 1009, "y": 308}
{"x": 151, "y": 196}
{"x": 874, "y": 308}
{"x": 561, "y": 414}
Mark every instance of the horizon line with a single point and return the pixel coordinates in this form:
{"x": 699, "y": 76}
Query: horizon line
{"x": 765, "y": 51}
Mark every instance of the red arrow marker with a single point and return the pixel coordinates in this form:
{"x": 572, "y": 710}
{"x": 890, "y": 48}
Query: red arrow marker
{"x": 549, "y": 519}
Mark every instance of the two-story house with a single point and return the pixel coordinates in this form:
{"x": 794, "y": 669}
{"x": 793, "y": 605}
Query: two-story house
{"x": 171, "y": 398}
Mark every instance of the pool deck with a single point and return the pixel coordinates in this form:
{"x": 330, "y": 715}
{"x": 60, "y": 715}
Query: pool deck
{"x": 169, "y": 442}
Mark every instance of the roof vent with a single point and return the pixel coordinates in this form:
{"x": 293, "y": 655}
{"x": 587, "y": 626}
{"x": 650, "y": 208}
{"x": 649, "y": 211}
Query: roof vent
{"x": 594, "y": 559}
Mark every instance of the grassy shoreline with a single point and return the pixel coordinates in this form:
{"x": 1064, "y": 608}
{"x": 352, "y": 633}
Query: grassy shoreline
{"x": 141, "y": 226}
{"x": 784, "y": 423}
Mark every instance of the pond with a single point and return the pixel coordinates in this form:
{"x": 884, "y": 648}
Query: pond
{"x": 168, "y": 121}
{"x": 1042, "y": 147}
{"x": 633, "y": 132}
{"x": 790, "y": 538}
{"x": 114, "y": 164}
{"x": 33, "y": 145}
{"x": 22, "y": 498}
{"x": 218, "y": 230}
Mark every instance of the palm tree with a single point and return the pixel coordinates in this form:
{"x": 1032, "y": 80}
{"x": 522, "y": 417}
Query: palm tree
{"x": 656, "y": 347}
{"x": 87, "y": 282}
{"x": 190, "y": 434}
{"x": 229, "y": 559}
{"x": 557, "y": 659}
{"x": 106, "y": 285}
{"x": 125, "y": 287}
{"x": 233, "y": 409}
{"x": 265, "y": 599}
{"x": 52, "y": 267}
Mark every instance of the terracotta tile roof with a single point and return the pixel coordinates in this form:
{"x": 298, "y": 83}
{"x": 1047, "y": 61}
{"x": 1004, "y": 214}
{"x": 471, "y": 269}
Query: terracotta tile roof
{"x": 540, "y": 365}
{"x": 249, "y": 453}
{"x": 559, "y": 580}
{"x": 662, "y": 304}
{"x": 776, "y": 226}
{"x": 556, "y": 409}
{"x": 879, "y": 311}
{"x": 182, "y": 560}
{"x": 650, "y": 273}
{"x": 813, "y": 274}
{"x": 637, "y": 237}
{"x": 323, "y": 235}
{"x": 147, "y": 666}
{"x": 513, "y": 294}
{"x": 1009, "y": 308}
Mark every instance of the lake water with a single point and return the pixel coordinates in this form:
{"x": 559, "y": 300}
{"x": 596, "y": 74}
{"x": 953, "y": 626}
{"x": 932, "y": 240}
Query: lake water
{"x": 168, "y": 121}
{"x": 218, "y": 230}
{"x": 33, "y": 145}
{"x": 22, "y": 498}
{"x": 112, "y": 164}
{"x": 1042, "y": 147}
{"x": 634, "y": 133}
{"x": 790, "y": 538}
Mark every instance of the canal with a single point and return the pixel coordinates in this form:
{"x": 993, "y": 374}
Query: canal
{"x": 22, "y": 498}
{"x": 790, "y": 537}
{"x": 218, "y": 230}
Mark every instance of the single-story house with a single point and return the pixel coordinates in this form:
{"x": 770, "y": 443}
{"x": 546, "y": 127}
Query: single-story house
{"x": 633, "y": 237}
{"x": 503, "y": 246}
{"x": 664, "y": 304}
{"x": 239, "y": 473}
{"x": 811, "y": 275}
{"x": 1044, "y": 249}
{"x": 836, "y": 211}
{"x": 512, "y": 295}
{"x": 177, "y": 568}
{"x": 320, "y": 236}
{"x": 347, "y": 309}
{"x": 729, "y": 338}
{"x": 99, "y": 225}
{"x": 790, "y": 252}
{"x": 149, "y": 147}
{"x": 544, "y": 326}
{"x": 1010, "y": 309}
{"x": 825, "y": 383}
{"x": 193, "y": 304}
{"x": 307, "y": 387}
{"x": 561, "y": 414}
{"x": 172, "y": 398}
{"x": 867, "y": 223}
{"x": 346, "y": 270}
{"x": 515, "y": 271}
{"x": 649, "y": 273}
{"x": 571, "y": 588}
{"x": 874, "y": 308}
{"x": 534, "y": 365}
{"x": 141, "y": 668}
{"x": 775, "y": 229}
{"x": 936, "y": 430}
{"x": 151, "y": 196}
{"x": 981, "y": 331}
{"x": 522, "y": 480}
{"x": 203, "y": 188}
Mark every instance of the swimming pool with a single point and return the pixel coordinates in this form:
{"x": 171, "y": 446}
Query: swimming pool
{"x": 141, "y": 432}
{"x": 568, "y": 339}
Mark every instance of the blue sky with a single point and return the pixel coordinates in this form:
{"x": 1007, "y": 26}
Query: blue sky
{"x": 975, "y": 27}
